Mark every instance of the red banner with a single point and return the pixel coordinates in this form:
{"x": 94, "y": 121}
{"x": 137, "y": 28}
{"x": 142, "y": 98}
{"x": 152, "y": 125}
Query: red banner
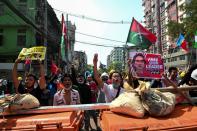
{"x": 144, "y": 65}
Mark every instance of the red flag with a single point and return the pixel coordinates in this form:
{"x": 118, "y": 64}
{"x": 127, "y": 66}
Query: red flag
{"x": 54, "y": 68}
{"x": 140, "y": 36}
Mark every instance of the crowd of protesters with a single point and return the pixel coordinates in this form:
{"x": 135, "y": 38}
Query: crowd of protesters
{"x": 69, "y": 89}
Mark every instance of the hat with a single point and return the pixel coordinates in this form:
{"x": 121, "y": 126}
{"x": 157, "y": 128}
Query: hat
{"x": 194, "y": 74}
{"x": 104, "y": 74}
{"x": 182, "y": 74}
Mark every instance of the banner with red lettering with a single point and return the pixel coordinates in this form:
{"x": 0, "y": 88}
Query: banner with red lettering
{"x": 145, "y": 65}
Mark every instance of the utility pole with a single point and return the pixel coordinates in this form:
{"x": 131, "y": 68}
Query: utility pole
{"x": 159, "y": 46}
{"x": 45, "y": 30}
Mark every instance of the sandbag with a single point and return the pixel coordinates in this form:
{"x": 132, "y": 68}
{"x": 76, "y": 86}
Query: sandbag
{"x": 157, "y": 103}
{"x": 24, "y": 101}
{"x": 128, "y": 103}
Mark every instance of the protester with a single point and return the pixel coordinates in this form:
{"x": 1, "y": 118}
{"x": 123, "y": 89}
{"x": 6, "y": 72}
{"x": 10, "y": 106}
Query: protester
{"x": 156, "y": 83}
{"x": 172, "y": 76}
{"x": 67, "y": 95}
{"x": 84, "y": 92}
{"x": 189, "y": 79}
{"x": 101, "y": 94}
{"x": 52, "y": 87}
{"x": 32, "y": 85}
{"x": 173, "y": 72}
{"x": 113, "y": 90}
{"x": 94, "y": 91}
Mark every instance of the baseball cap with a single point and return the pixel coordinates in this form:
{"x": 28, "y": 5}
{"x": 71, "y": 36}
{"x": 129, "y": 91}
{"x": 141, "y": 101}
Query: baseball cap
{"x": 194, "y": 74}
{"x": 104, "y": 74}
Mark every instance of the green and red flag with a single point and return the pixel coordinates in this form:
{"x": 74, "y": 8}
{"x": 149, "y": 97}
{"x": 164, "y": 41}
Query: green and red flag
{"x": 140, "y": 36}
{"x": 63, "y": 39}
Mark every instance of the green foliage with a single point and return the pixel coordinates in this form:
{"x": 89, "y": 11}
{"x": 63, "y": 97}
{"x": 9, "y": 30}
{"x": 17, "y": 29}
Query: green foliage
{"x": 174, "y": 29}
{"x": 189, "y": 25}
{"x": 117, "y": 66}
{"x": 191, "y": 20}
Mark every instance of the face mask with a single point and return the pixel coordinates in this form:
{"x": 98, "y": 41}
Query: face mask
{"x": 81, "y": 82}
{"x": 115, "y": 86}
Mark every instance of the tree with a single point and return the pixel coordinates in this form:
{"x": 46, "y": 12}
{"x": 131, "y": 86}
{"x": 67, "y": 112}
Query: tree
{"x": 117, "y": 66}
{"x": 191, "y": 20}
{"x": 189, "y": 25}
{"x": 174, "y": 29}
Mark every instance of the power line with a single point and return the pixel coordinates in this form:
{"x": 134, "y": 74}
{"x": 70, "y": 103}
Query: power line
{"x": 93, "y": 19}
{"x": 96, "y": 44}
{"x": 100, "y": 37}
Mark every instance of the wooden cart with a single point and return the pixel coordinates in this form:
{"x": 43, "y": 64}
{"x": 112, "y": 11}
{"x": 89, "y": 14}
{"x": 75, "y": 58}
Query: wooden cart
{"x": 183, "y": 118}
{"x": 69, "y": 121}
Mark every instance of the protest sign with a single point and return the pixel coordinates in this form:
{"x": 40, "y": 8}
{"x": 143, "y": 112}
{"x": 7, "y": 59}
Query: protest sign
{"x": 146, "y": 65}
{"x": 33, "y": 53}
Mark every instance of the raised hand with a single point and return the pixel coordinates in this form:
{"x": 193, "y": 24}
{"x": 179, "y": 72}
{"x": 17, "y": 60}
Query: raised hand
{"x": 95, "y": 59}
{"x": 18, "y": 60}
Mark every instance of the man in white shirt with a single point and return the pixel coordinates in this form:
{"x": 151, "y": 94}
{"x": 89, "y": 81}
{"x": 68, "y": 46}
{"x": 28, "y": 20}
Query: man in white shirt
{"x": 113, "y": 90}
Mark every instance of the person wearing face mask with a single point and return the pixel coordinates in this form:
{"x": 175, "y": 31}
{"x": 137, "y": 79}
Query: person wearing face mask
{"x": 84, "y": 92}
{"x": 66, "y": 96}
{"x": 112, "y": 90}
{"x": 81, "y": 86}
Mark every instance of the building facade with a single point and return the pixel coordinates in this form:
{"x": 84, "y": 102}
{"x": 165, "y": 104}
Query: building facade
{"x": 80, "y": 61}
{"x": 169, "y": 10}
{"x": 116, "y": 55}
{"x": 24, "y": 24}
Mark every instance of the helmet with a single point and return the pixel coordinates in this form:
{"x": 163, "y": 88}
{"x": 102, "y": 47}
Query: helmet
{"x": 19, "y": 78}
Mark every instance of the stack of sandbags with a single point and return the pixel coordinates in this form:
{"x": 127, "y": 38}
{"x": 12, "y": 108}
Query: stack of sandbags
{"x": 155, "y": 102}
{"x": 137, "y": 102}
{"x": 128, "y": 103}
{"x": 24, "y": 101}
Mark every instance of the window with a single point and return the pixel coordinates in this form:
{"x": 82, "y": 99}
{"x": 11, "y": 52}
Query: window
{"x": 22, "y": 6}
{"x": 174, "y": 59}
{"x": 1, "y": 37}
{"x": 182, "y": 57}
{"x": 21, "y": 37}
{"x": 1, "y": 9}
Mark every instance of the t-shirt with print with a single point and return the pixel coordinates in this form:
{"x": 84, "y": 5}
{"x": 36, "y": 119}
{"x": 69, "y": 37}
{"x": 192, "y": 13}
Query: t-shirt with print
{"x": 110, "y": 92}
{"x": 59, "y": 98}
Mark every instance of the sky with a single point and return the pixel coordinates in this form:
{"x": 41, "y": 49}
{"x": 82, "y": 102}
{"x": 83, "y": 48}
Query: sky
{"x": 99, "y": 10}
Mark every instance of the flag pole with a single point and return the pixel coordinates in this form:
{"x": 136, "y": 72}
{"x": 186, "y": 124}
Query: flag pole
{"x": 140, "y": 34}
{"x": 126, "y": 48}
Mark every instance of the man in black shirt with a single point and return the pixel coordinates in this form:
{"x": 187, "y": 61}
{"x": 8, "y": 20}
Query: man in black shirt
{"x": 32, "y": 85}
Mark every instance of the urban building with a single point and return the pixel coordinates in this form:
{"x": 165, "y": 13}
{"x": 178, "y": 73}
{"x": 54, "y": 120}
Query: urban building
{"x": 80, "y": 61}
{"x": 69, "y": 46}
{"x": 169, "y": 10}
{"x": 116, "y": 55}
{"x": 108, "y": 60}
{"x": 28, "y": 23}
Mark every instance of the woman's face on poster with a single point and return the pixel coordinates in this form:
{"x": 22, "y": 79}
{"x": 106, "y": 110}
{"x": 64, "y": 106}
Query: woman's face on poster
{"x": 139, "y": 63}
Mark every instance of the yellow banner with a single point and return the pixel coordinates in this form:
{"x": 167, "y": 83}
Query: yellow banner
{"x": 33, "y": 53}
